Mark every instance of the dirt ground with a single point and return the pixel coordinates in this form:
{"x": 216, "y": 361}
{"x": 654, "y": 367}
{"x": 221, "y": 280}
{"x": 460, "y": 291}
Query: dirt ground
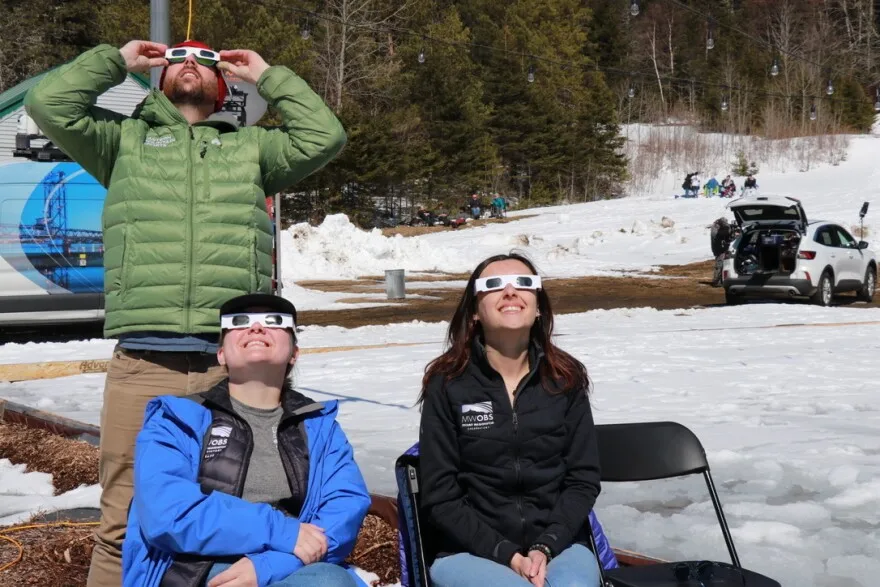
{"x": 678, "y": 286}
{"x": 404, "y": 230}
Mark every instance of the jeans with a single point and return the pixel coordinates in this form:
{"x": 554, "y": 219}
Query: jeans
{"x": 313, "y": 575}
{"x": 576, "y": 566}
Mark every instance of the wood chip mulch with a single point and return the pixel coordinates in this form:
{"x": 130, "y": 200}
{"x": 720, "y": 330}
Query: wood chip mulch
{"x": 71, "y": 462}
{"x": 51, "y": 556}
{"x": 376, "y": 551}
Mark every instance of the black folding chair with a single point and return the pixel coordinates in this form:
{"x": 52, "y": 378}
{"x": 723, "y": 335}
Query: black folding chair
{"x": 660, "y": 450}
{"x": 409, "y": 505}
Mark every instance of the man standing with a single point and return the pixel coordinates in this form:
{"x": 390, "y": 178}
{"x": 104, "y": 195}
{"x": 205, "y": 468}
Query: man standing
{"x": 721, "y": 236}
{"x": 185, "y": 222}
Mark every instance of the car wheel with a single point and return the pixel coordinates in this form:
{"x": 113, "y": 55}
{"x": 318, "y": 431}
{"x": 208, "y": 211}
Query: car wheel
{"x": 732, "y": 299}
{"x": 825, "y": 292}
{"x": 866, "y": 293}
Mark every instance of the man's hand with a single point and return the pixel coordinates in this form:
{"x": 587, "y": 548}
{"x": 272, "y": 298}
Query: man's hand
{"x": 311, "y": 544}
{"x": 140, "y": 56}
{"x": 538, "y": 571}
{"x": 241, "y": 574}
{"x": 248, "y": 65}
{"x": 522, "y": 566}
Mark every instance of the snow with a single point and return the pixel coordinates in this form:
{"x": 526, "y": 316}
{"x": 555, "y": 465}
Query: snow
{"x": 24, "y": 494}
{"x": 609, "y": 237}
{"x": 784, "y": 404}
{"x": 782, "y": 396}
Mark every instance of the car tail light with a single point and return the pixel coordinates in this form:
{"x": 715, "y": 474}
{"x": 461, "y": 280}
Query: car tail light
{"x": 807, "y": 273}
{"x": 810, "y": 255}
{"x": 724, "y": 275}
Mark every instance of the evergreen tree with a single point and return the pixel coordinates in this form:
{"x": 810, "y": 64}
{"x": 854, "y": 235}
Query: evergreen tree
{"x": 449, "y": 95}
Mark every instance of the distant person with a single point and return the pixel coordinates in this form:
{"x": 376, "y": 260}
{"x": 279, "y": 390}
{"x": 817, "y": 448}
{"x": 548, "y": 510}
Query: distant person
{"x": 250, "y": 483}
{"x": 475, "y": 206}
{"x": 505, "y": 497}
{"x": 711, "y": 187}
{"x": 686, "y": 184}
{"x": 696, "y": 184}
{"x": 750, "y": 185}
{"x": 728, "y": 187}
{"x": 721, "y": 235}
{"x": 185, "y": 222}
{"x": 498, "y": 206}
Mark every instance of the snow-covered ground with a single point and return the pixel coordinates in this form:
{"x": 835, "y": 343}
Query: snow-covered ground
{"x": 784, "y": 400}
{"x": 783, "y": 396}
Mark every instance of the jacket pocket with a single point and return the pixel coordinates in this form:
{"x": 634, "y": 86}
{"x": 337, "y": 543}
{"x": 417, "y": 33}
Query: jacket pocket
{"x": 126, "y": 264}
{"x": 119, "y": 282}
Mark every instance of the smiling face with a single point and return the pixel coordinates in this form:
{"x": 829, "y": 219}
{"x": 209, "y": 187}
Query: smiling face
{"x": 244, "y": 349}
{"x": 510, "y": 308}
{"x": 190, "y": 83}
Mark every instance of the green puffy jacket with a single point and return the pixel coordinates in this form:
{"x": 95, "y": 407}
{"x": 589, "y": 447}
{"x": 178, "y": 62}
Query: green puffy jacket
{"x": 185, "y": 220}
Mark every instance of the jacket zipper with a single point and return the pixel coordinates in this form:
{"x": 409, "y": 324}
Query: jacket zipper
{"x": 516, "y": 466}
{"x": 189, "y": 231}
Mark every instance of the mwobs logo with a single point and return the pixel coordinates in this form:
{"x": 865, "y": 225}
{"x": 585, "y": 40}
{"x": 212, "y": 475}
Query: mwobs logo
{"x": 217, "y": 441}
{"x": 222, "y": 431}
{"x": 477, "y": 416}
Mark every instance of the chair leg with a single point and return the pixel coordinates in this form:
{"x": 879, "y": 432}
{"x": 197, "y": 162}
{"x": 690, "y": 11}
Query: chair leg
{"x": 716, "y": 503}
{"x": 595, "y": 550}
{"x": 413, "y": 486}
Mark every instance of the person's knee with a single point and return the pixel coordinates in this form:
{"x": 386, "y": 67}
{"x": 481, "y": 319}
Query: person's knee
{"x": 578, "y": 568}
{"x": 445, "y": 570}
{"x": 324, "y": 575}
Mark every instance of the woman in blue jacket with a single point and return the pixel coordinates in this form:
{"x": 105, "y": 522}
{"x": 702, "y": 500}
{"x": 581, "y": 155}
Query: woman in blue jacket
{"x": 250, "y": 483}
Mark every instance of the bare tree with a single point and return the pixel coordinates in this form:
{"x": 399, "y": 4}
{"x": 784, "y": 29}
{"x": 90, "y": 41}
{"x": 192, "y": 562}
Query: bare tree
{"x": 357, "y": 47}
{"x": 652, "y": 39}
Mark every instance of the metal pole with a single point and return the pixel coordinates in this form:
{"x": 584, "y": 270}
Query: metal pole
{"x": 277, "y": 202}
{"x": 159, "y": 33}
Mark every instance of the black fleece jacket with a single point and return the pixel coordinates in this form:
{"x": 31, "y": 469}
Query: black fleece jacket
{"x": 498, "y": 478}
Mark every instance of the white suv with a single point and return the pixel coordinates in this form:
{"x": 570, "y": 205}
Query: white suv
{"x": 779, "y": 254}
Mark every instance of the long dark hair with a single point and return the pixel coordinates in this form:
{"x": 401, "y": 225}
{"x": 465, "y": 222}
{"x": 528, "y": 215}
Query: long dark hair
{"x": 559, "y": 370}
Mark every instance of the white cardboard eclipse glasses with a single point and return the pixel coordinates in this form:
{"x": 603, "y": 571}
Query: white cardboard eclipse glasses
{"x": 498, "y": 282}
{"x": 245, "y": 320}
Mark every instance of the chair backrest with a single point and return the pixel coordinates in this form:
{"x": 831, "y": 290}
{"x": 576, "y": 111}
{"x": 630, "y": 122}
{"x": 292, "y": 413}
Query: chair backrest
{"x": 649, "y": 450}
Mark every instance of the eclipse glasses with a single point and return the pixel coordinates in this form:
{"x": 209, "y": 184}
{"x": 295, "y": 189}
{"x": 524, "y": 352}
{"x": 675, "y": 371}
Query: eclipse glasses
{"x": 205, "y": 57}
{"x": 498, "y": 282}
{"x": 268, "y": 320}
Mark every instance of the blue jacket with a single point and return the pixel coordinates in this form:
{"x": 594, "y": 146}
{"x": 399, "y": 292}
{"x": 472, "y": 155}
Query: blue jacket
{"x": 169, "y": 513}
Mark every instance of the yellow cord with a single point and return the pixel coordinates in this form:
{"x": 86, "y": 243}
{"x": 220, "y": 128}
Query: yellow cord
{"x": 189, "y": 21}
{"x": 18, "y": 545}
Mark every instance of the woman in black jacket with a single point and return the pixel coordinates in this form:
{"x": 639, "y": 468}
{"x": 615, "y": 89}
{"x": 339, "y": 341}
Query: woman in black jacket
{"x": 510, "y": 468}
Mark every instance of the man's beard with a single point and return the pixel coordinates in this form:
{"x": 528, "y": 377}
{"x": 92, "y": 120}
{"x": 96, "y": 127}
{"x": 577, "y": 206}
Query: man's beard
{"x": 189, "y": 94}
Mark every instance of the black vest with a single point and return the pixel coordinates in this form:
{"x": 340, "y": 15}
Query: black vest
{"x": 226, "y": 452}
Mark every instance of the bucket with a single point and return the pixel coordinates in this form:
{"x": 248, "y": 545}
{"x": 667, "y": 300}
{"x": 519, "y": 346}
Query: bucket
{"x": 395, "y": 288}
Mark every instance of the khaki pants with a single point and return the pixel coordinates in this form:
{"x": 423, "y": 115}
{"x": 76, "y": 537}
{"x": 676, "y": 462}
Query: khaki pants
{"x": 134, "y": 378}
